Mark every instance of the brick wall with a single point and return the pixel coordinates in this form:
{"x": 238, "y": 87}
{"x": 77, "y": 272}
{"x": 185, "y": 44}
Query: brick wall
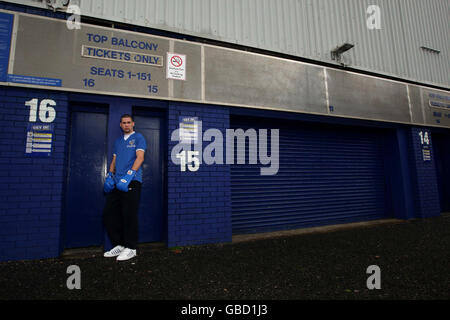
{"x": 199, "y": 202}
{"x": 31, "y": 188}
{"x": 425, "y": 188}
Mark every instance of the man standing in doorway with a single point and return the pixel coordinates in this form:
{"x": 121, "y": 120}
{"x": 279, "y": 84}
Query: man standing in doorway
{"x": 123, "y": 188}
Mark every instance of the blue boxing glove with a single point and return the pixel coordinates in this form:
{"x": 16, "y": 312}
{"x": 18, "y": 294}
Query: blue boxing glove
{"x": 123, "y": 183}
{"x": 109, "y": 183}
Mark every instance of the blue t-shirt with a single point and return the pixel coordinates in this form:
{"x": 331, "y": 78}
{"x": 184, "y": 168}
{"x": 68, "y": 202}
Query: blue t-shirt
{"x": 125, "y": 151}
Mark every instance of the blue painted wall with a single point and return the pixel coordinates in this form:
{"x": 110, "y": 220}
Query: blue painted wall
{"x": 199, "y": 203}
{"x": 425, "y": 190}
{"x": 32, "y": 189}
{"x": 413, "y": 181}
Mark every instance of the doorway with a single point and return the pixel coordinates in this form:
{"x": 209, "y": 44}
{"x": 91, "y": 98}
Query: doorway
{"x": 87, "y": 166}
{"x": 151, "y": 222}
{"x": 86, "y": 172}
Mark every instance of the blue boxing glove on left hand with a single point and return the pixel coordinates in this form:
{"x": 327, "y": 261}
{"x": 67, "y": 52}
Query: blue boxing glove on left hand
{"x": 123, "y": 183}
{"x": 109, "y": 183}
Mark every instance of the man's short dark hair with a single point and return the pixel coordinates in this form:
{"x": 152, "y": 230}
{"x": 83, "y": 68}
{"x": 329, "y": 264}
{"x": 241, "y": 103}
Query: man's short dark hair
{"x": 126, "y": 115}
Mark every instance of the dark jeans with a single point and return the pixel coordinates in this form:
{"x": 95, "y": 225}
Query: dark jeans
{"x": 120, "y": 215}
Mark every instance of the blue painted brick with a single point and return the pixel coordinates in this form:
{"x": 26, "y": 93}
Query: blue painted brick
{"x": 425, "y": 189}
{"x": 191, "y": 192}
{"x": 31, "y": 181}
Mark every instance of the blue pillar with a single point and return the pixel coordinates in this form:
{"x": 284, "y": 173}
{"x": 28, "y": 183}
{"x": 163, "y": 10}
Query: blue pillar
{"x": 399, "y": 174}
{"x": 199, "y": 202}
{"x": 425, "y": 185}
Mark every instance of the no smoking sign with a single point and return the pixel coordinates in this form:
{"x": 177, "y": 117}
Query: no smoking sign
{"x": 176, "y": 66}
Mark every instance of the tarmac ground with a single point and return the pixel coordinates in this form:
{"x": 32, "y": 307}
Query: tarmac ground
{"x": 413, "y": 258}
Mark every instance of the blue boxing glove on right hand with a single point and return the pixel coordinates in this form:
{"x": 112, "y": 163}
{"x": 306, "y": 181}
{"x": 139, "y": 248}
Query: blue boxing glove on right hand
{"x": 109, "y": 183}
{"x": 123, "y": 183}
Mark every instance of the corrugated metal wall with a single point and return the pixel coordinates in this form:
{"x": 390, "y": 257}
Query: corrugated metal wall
{"x": 307, "y": 28}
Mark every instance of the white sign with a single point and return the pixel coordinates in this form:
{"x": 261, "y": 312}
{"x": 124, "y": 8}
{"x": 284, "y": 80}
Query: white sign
{"x": 189, "y": 129}
{"x": 176, "y": 66}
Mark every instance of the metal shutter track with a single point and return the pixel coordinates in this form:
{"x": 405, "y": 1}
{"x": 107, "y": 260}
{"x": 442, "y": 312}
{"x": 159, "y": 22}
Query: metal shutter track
{"x": 325, "y": 176}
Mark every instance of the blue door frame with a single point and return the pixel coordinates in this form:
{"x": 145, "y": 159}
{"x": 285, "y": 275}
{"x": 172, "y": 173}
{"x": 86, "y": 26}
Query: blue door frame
{"x": 114, "y": 108}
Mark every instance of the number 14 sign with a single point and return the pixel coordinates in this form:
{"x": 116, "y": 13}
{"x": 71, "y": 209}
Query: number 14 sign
{"x": 425, "y": 142}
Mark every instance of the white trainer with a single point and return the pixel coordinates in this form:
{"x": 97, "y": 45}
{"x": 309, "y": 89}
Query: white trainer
{"x": 126, "y": 254}
{"x": 114, "y": 252}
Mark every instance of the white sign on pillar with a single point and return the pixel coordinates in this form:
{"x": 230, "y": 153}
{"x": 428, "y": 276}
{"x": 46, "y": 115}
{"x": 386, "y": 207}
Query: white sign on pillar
{"x": 176, "y": 66}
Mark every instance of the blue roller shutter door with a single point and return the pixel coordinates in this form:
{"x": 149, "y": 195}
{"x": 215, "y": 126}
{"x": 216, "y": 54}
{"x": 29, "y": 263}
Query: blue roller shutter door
{"x": 327, "y": 175}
